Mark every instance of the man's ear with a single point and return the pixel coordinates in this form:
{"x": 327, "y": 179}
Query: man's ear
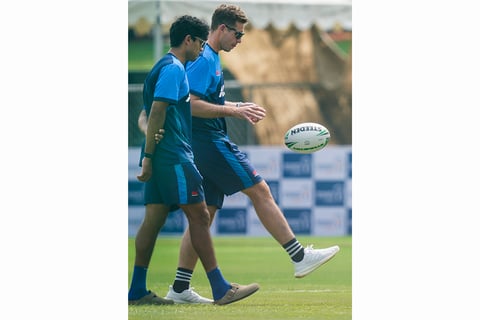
{"x": 188, "y": 38}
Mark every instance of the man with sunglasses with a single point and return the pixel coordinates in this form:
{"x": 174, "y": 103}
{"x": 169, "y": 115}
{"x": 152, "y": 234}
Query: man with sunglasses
{"x": 227, "y": 170}
{"x": 238, "y": 34}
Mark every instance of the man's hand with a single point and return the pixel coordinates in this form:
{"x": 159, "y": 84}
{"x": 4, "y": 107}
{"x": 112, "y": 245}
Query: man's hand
{"x": 146, "y": 173}
{"x": 159, "y": 135}
{"x": 251, "y": 112}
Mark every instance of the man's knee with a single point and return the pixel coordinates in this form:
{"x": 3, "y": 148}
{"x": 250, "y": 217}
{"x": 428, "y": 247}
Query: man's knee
{"x": 260, "y": 191}
{"x": 198, "y": 216}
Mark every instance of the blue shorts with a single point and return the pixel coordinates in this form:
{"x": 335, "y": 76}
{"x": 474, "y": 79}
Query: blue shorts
{"x": 172, "y": 185}
{"x": 225, "y": 169}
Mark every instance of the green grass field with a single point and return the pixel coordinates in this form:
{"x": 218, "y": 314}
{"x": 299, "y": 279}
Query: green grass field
{"x": 324, "y": 294}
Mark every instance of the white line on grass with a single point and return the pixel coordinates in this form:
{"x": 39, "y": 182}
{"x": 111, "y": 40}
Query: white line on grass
{"x": 309, "y": 291}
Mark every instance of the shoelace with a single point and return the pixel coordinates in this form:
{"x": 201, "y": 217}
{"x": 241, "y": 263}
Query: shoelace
{"x": 193, "y": 293}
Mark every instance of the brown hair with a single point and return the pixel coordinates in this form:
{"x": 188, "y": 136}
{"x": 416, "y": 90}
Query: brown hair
{"x": 228, "y": 14}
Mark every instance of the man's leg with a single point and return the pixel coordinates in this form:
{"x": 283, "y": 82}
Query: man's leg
{"x": 180, "y": 291}
{"x": 305, "y": 260}
{"x": 200, "y": 238}
{"x": 155, "y": 216}
{"x": 188, "y": 256}
{"x": 199, "y": 225}
{"x": 269, "y": 213}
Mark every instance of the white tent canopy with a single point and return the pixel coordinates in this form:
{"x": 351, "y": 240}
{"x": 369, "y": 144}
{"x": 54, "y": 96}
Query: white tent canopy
{"x": 326, "y": 14}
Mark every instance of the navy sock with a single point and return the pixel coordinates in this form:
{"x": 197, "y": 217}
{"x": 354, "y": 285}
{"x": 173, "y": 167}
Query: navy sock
{"x": 294, "y": 249}
{"x": 138, "y": 287}
{"x": 219, "y": 285}
{"x": 182, "y": 280}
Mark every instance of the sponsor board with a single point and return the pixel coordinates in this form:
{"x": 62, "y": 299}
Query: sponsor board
{"x": 135, "y": 218}
{"x": 275, "y": 190}
{"x": 348, "y": 193}
{"x": 314, "y": 191}
{"x": 329, "y": 193}
{"x": 300, "y": 220}
{"x": 255, "y": 226}
{"x": 236, "y": 200}
{"x": 330, "y": 165}
{"x": 330, "y": 221}
{"x": 266, "y": 162}
{"x": 176, "y": 223}
{"x": 135, "y": 193}
{"x": 296, "y": 165}
{"x": 296, "y": 193}
{"x": 231, "y": 221}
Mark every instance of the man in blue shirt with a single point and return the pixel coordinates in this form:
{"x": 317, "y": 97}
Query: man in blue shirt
{"x": 227, "y": 170}
{"x": 170, "y": 175}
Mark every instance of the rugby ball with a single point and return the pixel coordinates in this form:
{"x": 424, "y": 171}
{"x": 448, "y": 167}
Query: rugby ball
{"x": 307, "y": 137}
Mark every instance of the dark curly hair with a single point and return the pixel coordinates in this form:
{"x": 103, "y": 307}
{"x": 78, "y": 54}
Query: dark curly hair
{"x": 187, "y": 25}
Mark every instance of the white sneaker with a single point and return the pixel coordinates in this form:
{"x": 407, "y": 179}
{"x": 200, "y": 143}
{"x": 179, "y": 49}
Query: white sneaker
{"x": 313, "y": 259}
{"x": 186, "y": 296}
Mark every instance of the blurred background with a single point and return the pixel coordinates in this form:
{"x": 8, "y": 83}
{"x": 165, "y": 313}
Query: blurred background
{"x": 296, "y": 61}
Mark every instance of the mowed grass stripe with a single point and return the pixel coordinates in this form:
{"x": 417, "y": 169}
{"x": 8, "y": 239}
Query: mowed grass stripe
{"x": 324, "y": 294}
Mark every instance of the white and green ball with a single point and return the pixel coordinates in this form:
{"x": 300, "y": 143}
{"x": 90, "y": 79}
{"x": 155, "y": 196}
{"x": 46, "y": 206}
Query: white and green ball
{"x": 307, "y": 137}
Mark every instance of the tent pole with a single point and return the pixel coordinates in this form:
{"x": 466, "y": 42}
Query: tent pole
{"x": 157, "y": 34}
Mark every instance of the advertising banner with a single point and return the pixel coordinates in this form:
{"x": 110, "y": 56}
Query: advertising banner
{"x": 314, "y": 192}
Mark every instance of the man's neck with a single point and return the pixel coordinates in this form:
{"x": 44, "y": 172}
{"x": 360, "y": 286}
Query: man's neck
{"x": 213, "y": 41}
{"x": 179, "y": 54}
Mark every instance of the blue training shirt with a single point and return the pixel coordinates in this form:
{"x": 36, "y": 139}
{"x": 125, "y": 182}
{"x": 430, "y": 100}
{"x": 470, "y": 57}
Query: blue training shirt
{"x": 205, "y": 76}
{"x": 167, "y": 82}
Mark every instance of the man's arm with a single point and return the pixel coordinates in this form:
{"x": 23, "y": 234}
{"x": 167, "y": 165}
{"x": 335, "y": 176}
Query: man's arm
{"x": 142, "y": 125}
{"x": 155, "y": 122}
{"x": 248, "y": 111}
{"x": 142, "y": 121}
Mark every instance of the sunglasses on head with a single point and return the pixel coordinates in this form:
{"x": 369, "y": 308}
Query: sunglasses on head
{"x": 238, "y": 34}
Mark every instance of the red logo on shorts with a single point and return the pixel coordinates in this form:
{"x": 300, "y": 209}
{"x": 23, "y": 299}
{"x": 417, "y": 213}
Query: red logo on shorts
{"x": 194, "y": 194}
